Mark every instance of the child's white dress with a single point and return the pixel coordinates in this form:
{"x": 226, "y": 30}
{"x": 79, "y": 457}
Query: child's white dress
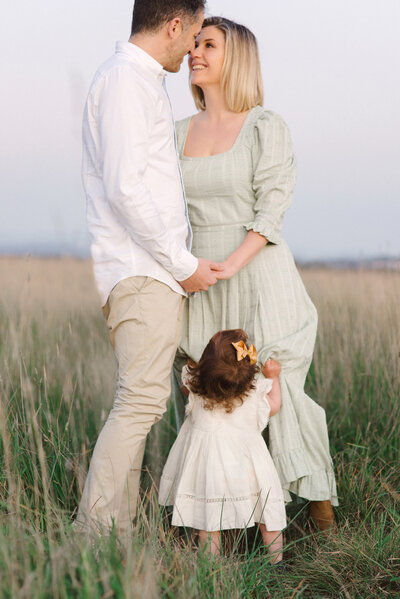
{"x": 219, "y": 473}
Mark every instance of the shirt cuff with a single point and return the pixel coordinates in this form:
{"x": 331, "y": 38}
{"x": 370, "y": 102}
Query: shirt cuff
{"x": 184, "y": 267}
{"x": 267, "y": 230}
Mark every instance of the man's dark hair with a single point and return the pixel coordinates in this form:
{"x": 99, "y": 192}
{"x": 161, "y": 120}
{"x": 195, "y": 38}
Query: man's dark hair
{"x": 151, "y": 15}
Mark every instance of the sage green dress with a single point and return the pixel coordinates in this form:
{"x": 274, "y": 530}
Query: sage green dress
{"x": 249, "y": 187}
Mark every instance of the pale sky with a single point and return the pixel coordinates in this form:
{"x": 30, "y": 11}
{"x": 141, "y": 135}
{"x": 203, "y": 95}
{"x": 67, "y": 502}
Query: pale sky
{"x": 331, "y": 68}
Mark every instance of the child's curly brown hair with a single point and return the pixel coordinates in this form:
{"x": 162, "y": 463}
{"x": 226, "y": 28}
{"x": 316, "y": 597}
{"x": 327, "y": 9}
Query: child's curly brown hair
{"x": 219, "y": 377}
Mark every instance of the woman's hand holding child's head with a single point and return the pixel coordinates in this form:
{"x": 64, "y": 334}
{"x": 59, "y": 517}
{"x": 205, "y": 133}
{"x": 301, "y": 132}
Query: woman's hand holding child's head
{"x": 271, "y": 369}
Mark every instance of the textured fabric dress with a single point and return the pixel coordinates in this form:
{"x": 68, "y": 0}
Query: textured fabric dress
{"x": 249, "y": 187}
{"x": 219, "y": 473}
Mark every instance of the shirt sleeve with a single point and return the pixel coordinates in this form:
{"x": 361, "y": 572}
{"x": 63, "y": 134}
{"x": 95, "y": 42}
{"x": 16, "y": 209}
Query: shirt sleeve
{"x": 126, "y": 110}
{"x": 274, "y": 175}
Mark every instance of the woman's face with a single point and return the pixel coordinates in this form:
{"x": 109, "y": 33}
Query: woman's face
{"x": 206, "y": 60}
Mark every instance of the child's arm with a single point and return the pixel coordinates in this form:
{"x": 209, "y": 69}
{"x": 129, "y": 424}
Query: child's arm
{"x": 184, "y": 390}
{"x": 271, "y": 370}
{"x": 183, "y": 387}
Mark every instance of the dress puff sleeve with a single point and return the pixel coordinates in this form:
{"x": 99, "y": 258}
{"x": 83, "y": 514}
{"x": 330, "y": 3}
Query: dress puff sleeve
{"x": 263, "y": 386}
{"x": 191, "y": 399}
{"x": 274, "y": 175}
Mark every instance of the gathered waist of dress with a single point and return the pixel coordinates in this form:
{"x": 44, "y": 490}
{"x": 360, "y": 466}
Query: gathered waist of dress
{"x": 224, "y": 427}
{"x": 204, "y": 228}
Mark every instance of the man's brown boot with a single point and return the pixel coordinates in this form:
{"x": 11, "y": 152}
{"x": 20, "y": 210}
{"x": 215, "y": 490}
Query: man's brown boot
{"x": 322, "y": 515}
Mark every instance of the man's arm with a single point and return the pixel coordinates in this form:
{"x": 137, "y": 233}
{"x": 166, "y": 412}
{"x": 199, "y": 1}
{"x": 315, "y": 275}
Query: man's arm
{"x": 125, "y": 121}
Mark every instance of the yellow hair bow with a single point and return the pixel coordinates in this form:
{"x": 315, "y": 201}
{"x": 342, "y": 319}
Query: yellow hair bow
{"x": 242, "y": 351}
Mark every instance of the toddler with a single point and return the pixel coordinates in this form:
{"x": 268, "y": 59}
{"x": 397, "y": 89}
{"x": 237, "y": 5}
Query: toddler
{"x": 219, "y": 474}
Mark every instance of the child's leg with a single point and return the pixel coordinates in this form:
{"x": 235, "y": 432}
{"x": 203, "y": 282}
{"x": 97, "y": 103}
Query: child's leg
{"x": 274, "y": 540}
{"x": 210, "y": 540}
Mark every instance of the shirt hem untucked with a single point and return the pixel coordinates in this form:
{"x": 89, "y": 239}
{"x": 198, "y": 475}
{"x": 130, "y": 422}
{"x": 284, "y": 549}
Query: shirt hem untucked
{"x": 104, "y": 292}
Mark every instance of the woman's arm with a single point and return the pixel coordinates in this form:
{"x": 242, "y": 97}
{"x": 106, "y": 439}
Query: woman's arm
{"x": 273, "y": 182}
{"x": 251, "y": 246}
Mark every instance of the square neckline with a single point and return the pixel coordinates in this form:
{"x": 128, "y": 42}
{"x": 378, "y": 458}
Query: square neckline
{"x": 231, "y": 149}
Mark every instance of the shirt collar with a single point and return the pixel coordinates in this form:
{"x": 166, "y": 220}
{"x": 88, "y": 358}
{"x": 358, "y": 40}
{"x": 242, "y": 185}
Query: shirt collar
{"x": 133, "y": 52}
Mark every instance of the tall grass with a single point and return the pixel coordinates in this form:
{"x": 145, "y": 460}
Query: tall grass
{"x": 56, "y": 385}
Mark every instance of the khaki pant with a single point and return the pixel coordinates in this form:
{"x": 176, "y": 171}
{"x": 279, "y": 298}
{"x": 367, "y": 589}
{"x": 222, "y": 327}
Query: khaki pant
{"x": 144, "y": 320}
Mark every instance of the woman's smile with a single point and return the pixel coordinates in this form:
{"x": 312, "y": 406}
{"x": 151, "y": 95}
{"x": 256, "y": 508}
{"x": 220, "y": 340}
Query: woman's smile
{"x": 208, "y": 54}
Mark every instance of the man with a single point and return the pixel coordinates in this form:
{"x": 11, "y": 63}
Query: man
{"x": 141, "y": 236}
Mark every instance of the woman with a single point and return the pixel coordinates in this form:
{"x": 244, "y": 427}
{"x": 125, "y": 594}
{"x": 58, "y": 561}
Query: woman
{"x": 239, "y": 173}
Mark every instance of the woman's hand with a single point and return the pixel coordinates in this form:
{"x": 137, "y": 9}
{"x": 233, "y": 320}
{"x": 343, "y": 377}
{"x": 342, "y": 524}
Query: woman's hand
{"x": 271, "y": 369}
{"x": 251, "y": 246}
{"x": 229, "y": 270}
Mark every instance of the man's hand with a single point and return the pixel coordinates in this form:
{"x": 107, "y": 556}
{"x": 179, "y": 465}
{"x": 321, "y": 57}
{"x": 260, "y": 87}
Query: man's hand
{"x": 203, "y": 277}
{"x": 271, "y": 369}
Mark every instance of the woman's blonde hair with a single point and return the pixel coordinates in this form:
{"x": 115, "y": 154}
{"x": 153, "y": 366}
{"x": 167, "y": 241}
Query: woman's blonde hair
{"x": 241, "y": 79}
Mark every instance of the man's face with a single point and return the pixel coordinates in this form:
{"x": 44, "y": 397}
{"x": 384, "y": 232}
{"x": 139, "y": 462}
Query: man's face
{"x": 183, "y": 43}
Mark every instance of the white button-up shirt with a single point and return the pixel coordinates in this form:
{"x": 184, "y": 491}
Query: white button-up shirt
{"x": 136, "y": 206}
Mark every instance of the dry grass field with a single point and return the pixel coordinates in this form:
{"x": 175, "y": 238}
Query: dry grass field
{"x": 56, "y": 387}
